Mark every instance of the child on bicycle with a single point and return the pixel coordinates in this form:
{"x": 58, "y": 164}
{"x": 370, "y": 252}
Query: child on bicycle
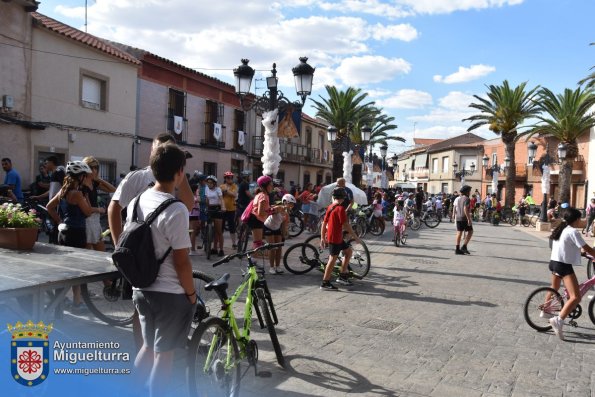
{"x": 566, "y": 251}
{"x": 399, "y": 223}
{"x": 331, "y": 235}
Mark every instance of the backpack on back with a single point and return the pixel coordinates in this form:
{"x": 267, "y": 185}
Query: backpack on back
{"x": 135, "y": 255}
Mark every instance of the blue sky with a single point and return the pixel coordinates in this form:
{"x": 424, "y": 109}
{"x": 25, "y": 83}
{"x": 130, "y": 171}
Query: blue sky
{"x": 421, "y": 60}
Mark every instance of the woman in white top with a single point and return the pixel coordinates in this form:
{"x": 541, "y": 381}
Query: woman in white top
{"x": 566, "y": 252}
{"x": 216, "y": 208}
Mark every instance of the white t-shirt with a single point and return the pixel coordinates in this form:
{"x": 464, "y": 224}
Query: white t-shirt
{"x": 132, "y": 185}
{"x": 568, "y": 248}
{"x": 214, "y": 196}
{"x": 438, "y": 204}
{"x": 169, "y": 229}
{"x": 459, "y": 207}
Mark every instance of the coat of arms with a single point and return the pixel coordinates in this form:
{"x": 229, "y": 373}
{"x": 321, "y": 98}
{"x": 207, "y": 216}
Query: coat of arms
{"x": 29, "y": 352}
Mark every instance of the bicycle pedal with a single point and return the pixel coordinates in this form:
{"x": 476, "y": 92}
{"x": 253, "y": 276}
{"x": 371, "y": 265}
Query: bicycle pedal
{"x": 573, "y": 323}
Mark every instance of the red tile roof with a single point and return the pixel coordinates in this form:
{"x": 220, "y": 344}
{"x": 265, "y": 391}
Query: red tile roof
{"x": 425, "y": 141}
{"x": 81, "y": 37}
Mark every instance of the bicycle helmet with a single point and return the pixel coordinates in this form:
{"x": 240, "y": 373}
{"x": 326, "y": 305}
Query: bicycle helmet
{"x": 339, "y": 193}
{"x": 77, "y": 167}
{"x": 212, "y": 177}
{"x": 264, "y": 180}
{"x": 288, "y": 198}
{"x": 228, "y": 173}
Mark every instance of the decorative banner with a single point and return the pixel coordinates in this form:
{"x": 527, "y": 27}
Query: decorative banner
{"x": 217, "y": 131}
{"x": 545, "y": 180}
{"x": 178, "y": 124}
{"x": 241, "y": 138}
{"x": 287, "y": 125}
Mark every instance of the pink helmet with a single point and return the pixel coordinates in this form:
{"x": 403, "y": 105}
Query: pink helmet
{"x": 264, "y": 180}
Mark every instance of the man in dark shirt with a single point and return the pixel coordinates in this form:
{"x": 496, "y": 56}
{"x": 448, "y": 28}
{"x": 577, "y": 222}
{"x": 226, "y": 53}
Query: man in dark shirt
{"x": 244, "y": 195}
{"x": 419, "y": 199}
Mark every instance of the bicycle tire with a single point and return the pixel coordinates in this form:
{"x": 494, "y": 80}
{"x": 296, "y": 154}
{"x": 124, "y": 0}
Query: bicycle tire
{"x": 590, "y": 269}
{"x": 432, "y": 221}
{"x": 363, "y": 227}
{"x": 534, "y": 305}
{"x": 106, "y": 303}
{"x": 359, "y": 264}
{"x": 216, "y": 380}
{"x": 397, "y": 237}
{"x": 296, "y": 226}
{"x": 404, "y": 238}
{"x": 301, "y": 258}
{"x": 210, "y": 233}
{"x": 268, "y": 321}
{"x": 377, "y": 227}
{"x": 592, "y": 310}
{"x": 513, "y": 221}
{"x": 415, "y": 224}
{"x": 243, "y": 236}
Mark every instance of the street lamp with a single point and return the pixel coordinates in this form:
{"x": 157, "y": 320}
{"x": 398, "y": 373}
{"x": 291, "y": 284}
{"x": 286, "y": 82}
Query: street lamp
{"x": 303, "y": 74}
{"x": 383, "y": 150}
{"x": 495, "y": 167}
{"x": 544, "y": 161}
{"x": 462, "y": 173}
{"x": 395, "y": 158}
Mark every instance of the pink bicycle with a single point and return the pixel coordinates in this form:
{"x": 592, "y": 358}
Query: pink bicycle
{"x": 545, "y": 303}
{"x": 399, "y": 235}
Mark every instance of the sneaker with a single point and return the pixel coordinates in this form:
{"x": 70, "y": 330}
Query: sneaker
{"x": 557, "y": 323}
{"x": 327, "y": 286}
{"x": 278, "y": 271}
{"x": 465, "y": 251}
{"x": 459, "y": 252}
{"x": 193, "y": 253}
{"x": 344, "y": 281}
{"x": 221, "y": 253}
{"x": 544, "y": 314}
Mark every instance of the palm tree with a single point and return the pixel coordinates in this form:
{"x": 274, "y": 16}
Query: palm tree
{"x": 590, "y": 79}
{"x": 342, "y": 109}
{"x": 503, "y": 112}
{"x": 565, "y": 116}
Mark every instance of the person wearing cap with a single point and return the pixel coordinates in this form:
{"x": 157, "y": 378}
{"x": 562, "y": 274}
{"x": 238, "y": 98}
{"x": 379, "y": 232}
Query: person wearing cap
{"x": 331, "y": 235}
{"x": 462, "y": 215}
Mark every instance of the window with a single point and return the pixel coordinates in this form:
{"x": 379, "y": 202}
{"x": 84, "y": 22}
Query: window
{"x": 176, "y": 109}
{"x": 215, "y": 114}
{"x": 466, "y": 162}
{"x": 93, "y": 91}
{"x": 238, "y": 125}
{"x": 321, "y": 141}
{"x": 308, "y": 137}
{"x": 494, "y": 159}
{"x": 434, "y": 166}
{"x": 237, "y": 166}
{"x": 306, "y": 179}
{"x": 444, "y": 188}
{"x": 210, "y": 168}
{"x": 281, "y": 176}
{"x": 445, "y": 161}
{"x": 107, "y": 170}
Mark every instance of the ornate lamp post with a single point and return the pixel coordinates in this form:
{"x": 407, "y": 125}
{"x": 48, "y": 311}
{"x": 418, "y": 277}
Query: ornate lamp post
{"x": 395, "y": 158}
{"x": 543, "y": 165}
{"x": 495, "y": 169}
{"x": 383, "y": 150}
{"x": 462, "y": 173}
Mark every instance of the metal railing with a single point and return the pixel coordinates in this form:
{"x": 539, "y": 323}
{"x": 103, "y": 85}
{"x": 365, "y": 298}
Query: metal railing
{"x": 209, "y": 136}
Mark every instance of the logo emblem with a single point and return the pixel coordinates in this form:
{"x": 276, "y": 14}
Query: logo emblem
{"x": 29, "y": 352}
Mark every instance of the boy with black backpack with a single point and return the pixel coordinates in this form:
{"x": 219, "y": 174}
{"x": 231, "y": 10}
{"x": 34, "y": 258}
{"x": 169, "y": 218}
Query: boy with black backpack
{"x": 167, "y": 305}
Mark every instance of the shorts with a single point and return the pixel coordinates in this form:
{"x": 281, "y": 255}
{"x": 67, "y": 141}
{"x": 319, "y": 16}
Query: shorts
{"x": 193, "y": 218}
{"x": 165, "y": 319}
{"x": 254, "y": 222}
{"x": 306, "y": 208}
{"x": 464, "y": 226}
{"x": 335, "y": 249}
{"x": 229, "y": 218}
{"x": 93, "y": 228}
{"x": 561, "y": 269}
{"x": 215, "y": 212}
{"x": 73, "y": 237}
{"x": 270, "y": 232}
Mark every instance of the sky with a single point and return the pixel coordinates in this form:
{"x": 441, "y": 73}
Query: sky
{"x": 420, "y": 60}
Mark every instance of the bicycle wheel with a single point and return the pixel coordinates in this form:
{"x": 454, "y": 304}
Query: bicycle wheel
{"x": 266, "y": 316}
{"x": 590, "y": 269}
{"x": 403, "y": 238}
{"x": 525, "y": 221}
{"x": 104, "y": 300}
{"x": 592, "y": 310}
{"x": 415, "y": 224}
{"x": 296, "y": 226}
{"x": 513, "y": 220}
{"x": 301, "y": 258}
{"x": 377, "y": 226}
{"x": 397, "y": 237}
{"x": 359, "y": 263}
{"x": 210, "y": 234}
{"x": 213, "y": 360}
{"x": 541, "y": 305}
{"x": 362, "y": 226}
{"x": 432, "y": 220}
{"x": 243, "y": 236}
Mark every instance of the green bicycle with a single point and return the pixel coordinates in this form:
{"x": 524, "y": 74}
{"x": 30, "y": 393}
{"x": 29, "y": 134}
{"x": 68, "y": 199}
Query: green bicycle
{"x": 300, "y": 258}
{"x": 218, "y": 345}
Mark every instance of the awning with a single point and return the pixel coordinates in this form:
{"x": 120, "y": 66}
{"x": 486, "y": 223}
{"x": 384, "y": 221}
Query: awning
{"x": 421, "y": 160}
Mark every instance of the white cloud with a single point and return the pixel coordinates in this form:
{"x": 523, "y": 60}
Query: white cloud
{"x": 371, "y": 69}
{"x": 464, "y": 74}
{"x": 406, "y": 99}
{"x": 404, "y": 32}
{"x": 456, "y": 100}
{"x": 407, "y": 8}
{"x": 378, "y": 93}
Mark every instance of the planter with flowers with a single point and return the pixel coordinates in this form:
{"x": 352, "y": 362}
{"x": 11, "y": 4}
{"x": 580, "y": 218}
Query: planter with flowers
{"x": 18, "y": 227}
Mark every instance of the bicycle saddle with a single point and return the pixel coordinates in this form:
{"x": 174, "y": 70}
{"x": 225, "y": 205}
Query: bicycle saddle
{"x": 220, "y": 284}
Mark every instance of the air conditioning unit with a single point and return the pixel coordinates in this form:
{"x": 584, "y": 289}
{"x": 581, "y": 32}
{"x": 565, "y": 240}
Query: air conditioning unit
{"x": 7, "y": 102}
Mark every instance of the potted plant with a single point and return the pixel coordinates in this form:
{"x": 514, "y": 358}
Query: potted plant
{"x": 18, "y": 227}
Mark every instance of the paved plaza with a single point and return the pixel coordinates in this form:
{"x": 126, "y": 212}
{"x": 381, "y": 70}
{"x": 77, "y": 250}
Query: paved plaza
{"x": 423, "y": 323}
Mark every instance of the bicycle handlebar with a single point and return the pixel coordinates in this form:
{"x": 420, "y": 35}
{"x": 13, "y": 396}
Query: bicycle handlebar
{"x": 264, "y": 247}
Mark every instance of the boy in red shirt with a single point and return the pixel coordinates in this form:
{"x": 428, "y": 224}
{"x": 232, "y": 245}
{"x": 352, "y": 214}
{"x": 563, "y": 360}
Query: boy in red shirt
{"x": 334, "y": 222}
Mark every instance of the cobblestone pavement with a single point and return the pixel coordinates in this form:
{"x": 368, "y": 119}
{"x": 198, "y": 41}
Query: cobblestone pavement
{"x": 423, "y": 323}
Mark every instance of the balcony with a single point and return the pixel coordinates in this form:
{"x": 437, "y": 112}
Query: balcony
{"x": 236, "y": 146}
{"x": 418, "y": 173}
{"x": 578, "y": 171}
{"x": 209, "y": 137}
{"x": 181, "y": 137}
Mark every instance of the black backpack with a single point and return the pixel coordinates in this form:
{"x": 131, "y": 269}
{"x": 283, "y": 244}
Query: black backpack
{"x": 135, "y": 255}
